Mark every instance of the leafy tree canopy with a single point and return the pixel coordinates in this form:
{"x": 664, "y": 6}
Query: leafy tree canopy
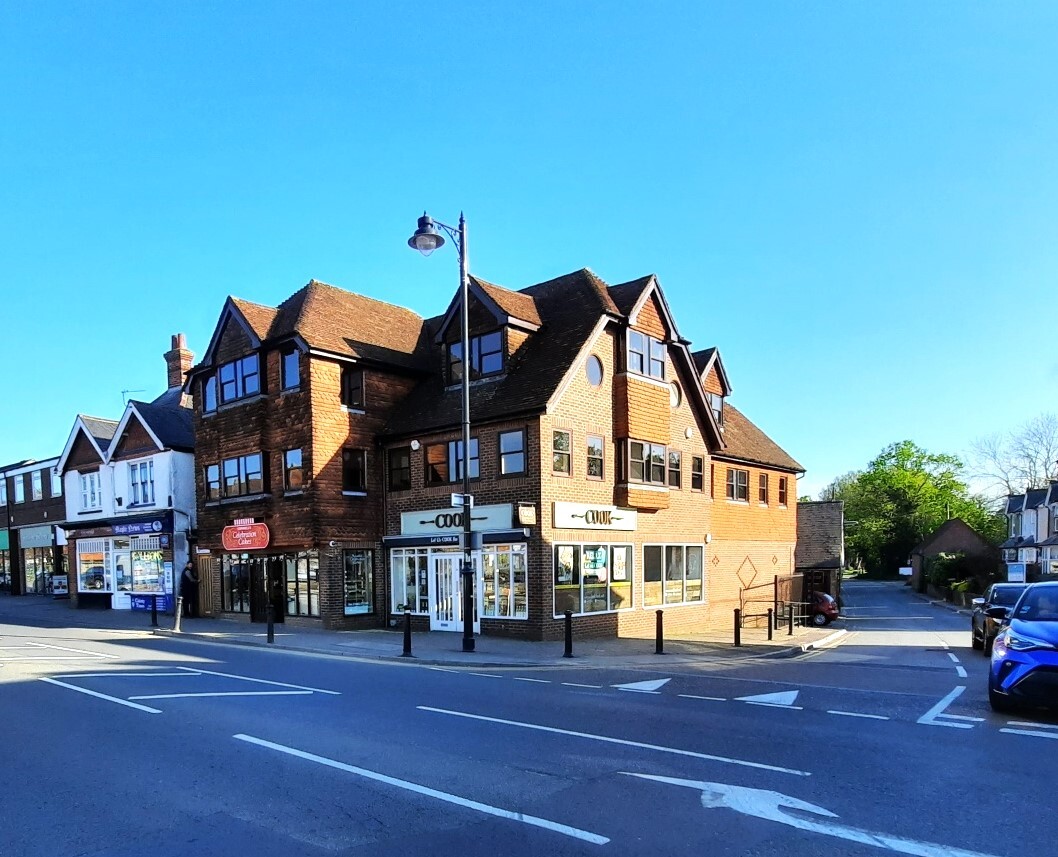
{"x": 903, "y": 496}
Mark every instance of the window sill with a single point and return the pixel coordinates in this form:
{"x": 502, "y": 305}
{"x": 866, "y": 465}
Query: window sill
{"x": 150, "y": 505}
{"x": 238, "y": 498}
{"x": 298, "y": 492}
{"x": 348, "y": 410}
{"x": 234, "y": 403}
{"x": 737, "y": 502}
{"x": 644, "y": 486}
{"x": 354, "y": 493}
{"x": 91, "y": 511}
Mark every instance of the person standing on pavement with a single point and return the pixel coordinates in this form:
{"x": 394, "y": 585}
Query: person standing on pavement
{"x": 189, "y": 590}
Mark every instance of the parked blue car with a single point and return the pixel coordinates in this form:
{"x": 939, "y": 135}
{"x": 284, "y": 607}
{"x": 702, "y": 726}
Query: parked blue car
{"x": 1024, "y": 669}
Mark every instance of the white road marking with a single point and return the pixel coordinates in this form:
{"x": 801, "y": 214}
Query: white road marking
{"x": 783, "y": 699}
{"x": 120, "y": 675}
{"x": 954, "y": 659}
{"x": 226, "y": 693}
{"x": 565, "y": 830}
{"x": 486, "y": 675}
{"x": 536, "y": 680}
{"x": 85, "y": 690}
{"x": 961, "y": 671}
{"x": 75, "y": 651}
{"x": 944, "y": 645}
{"x": 778, "y": 705}
{"x": 608, "y": 740}
{"x": 857, "y": 714}
{"x": 1033, "y": 732}
{"x": 260, "y": 680}
{"x": 1031, "y": 725}
{"x": 643, "y": 686}
{"x": 929, "y": 718}
{"x": 574, "y": 684}
{"x": 772, "y": 806}
{"x": 962, "y": 717}
{"x": 50, "y": 658}
{"x": 710, "y": 698}
{"x": 444, "y": 670}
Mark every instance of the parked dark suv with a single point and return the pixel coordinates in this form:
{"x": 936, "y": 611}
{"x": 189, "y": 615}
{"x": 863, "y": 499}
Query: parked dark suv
{"x": 983, "y": 628}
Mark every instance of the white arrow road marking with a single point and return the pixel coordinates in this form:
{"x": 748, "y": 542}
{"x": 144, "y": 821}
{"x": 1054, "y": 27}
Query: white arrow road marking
{"x": 782, "y": 699}
{"x": 930, "y": 717}
{"x": 564, "y": 829}
{"x": 772, "y": 806}
{"x": 88, "y": 692}
{"x": 642, "y": 686}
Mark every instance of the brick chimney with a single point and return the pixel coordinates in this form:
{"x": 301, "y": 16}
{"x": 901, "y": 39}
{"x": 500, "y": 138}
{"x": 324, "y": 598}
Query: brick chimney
{"x": 178, "y": 361}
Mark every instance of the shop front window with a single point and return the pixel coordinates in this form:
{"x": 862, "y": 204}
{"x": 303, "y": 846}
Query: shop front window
{"x": 409, "y": 580}
{"x": 303, "y": 583}
{"x": 93, "y": 564}
{"x": 504, "y": 579}
{"x": 592, "y": 578}
{"x": 673, "y": 574}
{"x": 359, "y": 583}
{"x": 235, "y": 584}
{"x": 147, "y": 568}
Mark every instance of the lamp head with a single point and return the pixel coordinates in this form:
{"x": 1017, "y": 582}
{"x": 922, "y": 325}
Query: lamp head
{"x": 426, "y": 238}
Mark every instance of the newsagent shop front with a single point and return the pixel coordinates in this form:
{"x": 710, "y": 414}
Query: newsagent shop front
{"x": 122, "y": 563}
{"x": 424, "y": 563}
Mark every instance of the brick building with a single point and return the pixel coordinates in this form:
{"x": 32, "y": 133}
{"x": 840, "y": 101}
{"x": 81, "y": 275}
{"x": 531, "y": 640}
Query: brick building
{"x": 32, "y": 512}
{"x": 611, "y": 476}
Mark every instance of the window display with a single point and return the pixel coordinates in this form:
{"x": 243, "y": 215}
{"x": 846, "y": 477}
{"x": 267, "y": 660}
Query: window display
{"x": 359, "y": 582}
{"x": 503, "y": 575}
{"x": 593, "y": 578}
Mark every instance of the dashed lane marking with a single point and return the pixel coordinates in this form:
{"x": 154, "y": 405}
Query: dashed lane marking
{"x": 574, "y": 684}
{"x": 954, "y": 658}
{"x": 709, "y": 698}
{"x": 1035, "y": 733}
{"x": 226, "y": 693}
{"x": 1031, "y": 725}
{"x": 961, "y": 672}
{"x": 534, "y": 680}
{"x": 486, "y": 675}
{"x": 857, "y": 714}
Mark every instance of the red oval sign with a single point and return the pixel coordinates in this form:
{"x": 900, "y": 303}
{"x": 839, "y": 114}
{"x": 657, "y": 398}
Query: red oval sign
{"x": 245, "y": 537}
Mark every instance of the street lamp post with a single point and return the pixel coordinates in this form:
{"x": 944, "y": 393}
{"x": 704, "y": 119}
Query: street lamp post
{"x": 426, "y": 239}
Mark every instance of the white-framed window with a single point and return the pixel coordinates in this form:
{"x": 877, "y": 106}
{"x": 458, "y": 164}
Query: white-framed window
{"x": 738, "y": 485}
{"x": 782, "y": 490}
{"x": 3, "y": 490}
{"x": 504, "y": 579}
{"x": 410, "y": 579}
{"x": 673, "y": 574}
{"x": 20, "y": 488}
{"x": 359, "y": 582}
{"x": 762, "y": 489}
{"x": 561, "y": 458}
{"x": 592, "y": 578}
{"x": 512, "y": 452}
{"x": 56, "y": 484}
{"x": 93, "y": 566}
{"x": 36, "y": 485}
{"x": 91, "y": 495}
{"x": 141, "y": 482}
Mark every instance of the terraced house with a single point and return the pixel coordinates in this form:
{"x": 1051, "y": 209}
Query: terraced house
{"x": 611, "y": 476}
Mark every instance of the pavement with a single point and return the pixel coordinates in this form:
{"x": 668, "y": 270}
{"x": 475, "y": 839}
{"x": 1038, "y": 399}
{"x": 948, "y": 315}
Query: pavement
{"x": 433, "y": 647}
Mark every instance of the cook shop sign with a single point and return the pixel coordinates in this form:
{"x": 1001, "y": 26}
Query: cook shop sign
{"x": 482, "y": 518}
{"x": 587, "y": 516}
{"x": 245, "y": 536}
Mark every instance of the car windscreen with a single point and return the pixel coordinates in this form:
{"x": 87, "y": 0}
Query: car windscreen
{"x": 1005, "y": 596}
{"x": 1038, "y": 604}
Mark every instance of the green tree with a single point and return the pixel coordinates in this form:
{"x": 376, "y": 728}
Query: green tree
{"x": 903, "y": 496}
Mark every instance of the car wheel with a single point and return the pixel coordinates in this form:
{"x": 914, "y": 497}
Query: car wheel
{"x": 819, "y": 619}
{"x": 999, "y": 702}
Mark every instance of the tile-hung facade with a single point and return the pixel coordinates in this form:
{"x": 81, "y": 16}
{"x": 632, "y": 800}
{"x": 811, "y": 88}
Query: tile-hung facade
{"x": 130, "y": 502}
{"x": 599, "y": 466}
{"x": 32, "y": 512}
{"x": 288, "y": 404}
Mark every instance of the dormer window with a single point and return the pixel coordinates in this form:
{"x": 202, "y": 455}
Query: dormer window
{"x": 486, "y": 357}
{"x": 716, "y": 403}
{"x": 646, "y": 355}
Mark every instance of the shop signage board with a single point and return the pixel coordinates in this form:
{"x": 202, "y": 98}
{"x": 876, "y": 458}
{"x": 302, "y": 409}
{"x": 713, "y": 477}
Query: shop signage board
{"x": 591, "y": 516}
{"x": 1016, "y": 572}
{"x": 497, "y": 517}
{"x": 139, "y": 528}
{"x": 36, "y": 537}
{"x": 60, "y": 585}
{"x": 242, "y": 537}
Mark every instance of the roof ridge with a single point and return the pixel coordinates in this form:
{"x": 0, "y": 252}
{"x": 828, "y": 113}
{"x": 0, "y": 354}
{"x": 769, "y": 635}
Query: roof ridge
{"x": 308, "y": 288}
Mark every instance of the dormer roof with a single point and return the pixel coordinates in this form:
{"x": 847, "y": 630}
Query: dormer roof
{"x": 169, "y": 428}
{"x": 96, "y": 431}
{"x": 1035, "y": 497}
{"x": 708, "y": 360}
{"x": 508, "y": 307}
{"x": 1015, "y": 503}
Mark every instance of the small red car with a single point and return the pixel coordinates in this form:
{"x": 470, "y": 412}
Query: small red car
{"x": 822, "y": 609}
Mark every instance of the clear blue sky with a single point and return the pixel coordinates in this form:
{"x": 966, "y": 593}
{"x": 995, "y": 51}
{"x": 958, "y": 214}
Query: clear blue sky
{"x": 855, "y": 201}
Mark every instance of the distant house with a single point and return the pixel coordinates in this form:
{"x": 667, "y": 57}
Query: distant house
{"x": 820, "y": 552}
{"x": 1032, "y": 530}
{"x": 953, "y": 536}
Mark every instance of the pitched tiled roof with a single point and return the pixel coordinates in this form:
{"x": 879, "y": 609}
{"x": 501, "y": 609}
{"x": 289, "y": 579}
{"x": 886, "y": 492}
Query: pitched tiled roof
{"x": 1035, "y": 497}
{"x": 174, "y": 397}
{"x": 625, "y": 295}
{"x": 954, "y": 531}
{"x": 102, "y": 430}
{"x": 515, "y": 304}
{"x": 340, "y": 322}
{"x": 746, "y": 442}
{"x": 1015, "y": 503}
{"x": 702, "y": 358}
{"x": 820, "y": 534}
{"x": 172, "y": 426}
{"x": 1052, "y": 496}
{"x": 258, "y": 316}
{"x": 570, "y": 308}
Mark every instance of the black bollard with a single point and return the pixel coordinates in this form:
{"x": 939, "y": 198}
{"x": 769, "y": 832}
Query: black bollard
{"x": 790, "y": 611}
{"x": 407, "y": 635}
{"x": 569, "y": 635}
{"x": 771, "y": 618}
{"x": 659, "y": 644}
{"x": 179, "y": 610}
{"x": 154, "y": 611}
{"x": 738, "y": 627}
{"x": 270, "y": 615}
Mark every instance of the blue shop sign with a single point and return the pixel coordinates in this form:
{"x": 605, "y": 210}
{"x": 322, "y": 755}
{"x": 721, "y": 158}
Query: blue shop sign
{"x": 140, "y": 528}
{"x": 143, "y": 602}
